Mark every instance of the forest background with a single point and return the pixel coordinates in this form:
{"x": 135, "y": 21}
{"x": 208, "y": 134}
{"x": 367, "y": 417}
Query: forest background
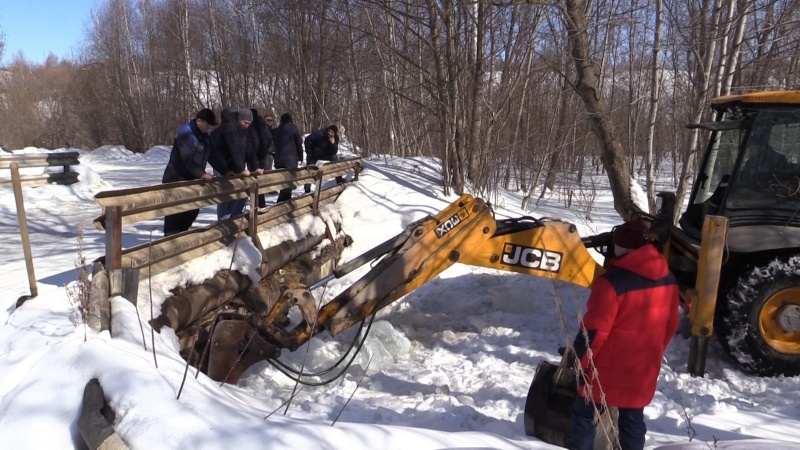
{"x": 511, "y": 93}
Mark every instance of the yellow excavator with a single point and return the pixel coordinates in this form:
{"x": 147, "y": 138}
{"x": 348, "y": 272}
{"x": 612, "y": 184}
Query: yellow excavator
{"x": 735, "y": 251}
{"x": 465, "y": 232}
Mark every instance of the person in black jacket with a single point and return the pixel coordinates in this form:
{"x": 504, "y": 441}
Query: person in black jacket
{"x": 288, "y": 149}
{"x": 270, "y": 123}
{"x": 323, "y": 145}
{"x": 229, "y": 154}
{"x": 259, "y": 141}
{"x": 187, "y": 161}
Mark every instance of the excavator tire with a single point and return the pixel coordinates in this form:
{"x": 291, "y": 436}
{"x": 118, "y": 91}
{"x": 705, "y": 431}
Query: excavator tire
{"x": 758, "y": 322}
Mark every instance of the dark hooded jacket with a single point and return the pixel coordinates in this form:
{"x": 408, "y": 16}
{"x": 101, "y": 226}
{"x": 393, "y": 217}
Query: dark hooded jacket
{"x": 228, "y": 145}
{"x": 189, "y": 155}
{"x": 631, "y": 315}
{"x": 319, "y": 147}
{"x": 288, "y": 144}
{"x": 259, "y": 140}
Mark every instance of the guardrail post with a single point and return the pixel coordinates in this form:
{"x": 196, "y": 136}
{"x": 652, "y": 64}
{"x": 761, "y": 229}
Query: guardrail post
{"x": 317, "y": 189}
{"x": 130, "y": 284}
{"x": 253, "y": 225}
{"x": 23, "y": 230}
{"x": 114, "y": 249}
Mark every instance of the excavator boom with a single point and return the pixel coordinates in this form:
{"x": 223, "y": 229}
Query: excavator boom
{"x": 464, "y": 232}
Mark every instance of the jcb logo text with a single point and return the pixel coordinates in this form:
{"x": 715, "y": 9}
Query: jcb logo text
{"x": 532, "y": 258}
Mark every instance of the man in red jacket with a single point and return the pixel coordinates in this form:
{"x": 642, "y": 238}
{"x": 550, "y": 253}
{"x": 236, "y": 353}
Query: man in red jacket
{"x": 631, "y": 315}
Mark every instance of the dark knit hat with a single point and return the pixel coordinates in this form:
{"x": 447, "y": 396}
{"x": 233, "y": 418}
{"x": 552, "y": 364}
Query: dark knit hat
{"x": 286, "y": 118}
{"x": 245, "y": 114}
{"x": 334, "y": 128}
{"x": 207, "y": 116}
{"x": 631, "y": 234}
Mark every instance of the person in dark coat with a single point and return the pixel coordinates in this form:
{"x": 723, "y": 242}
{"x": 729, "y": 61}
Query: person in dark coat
{"x": 187, "y": 161}
{"x": 259, "y": 141}
{"x": 631, "y": 315}
{"x": 270, "y": 123}
{"x": 288, "y": 149}
{"x": 322, "y": 144}
{"x": 229, "y": 154}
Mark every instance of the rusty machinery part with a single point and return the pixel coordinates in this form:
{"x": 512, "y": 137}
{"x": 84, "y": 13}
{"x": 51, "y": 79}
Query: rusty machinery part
{"x": 371, "y": 256}
{"x": 238, "y": 341}
{"x": 235, "y": 346}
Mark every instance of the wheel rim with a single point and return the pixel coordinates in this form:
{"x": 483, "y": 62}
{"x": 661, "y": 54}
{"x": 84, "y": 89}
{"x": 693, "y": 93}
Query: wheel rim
{"x": 779, "y": 321}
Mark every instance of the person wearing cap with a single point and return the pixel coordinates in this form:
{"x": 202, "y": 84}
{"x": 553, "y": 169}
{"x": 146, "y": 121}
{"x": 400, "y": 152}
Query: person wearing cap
{"x": 322, "y": 144}
{"x": 187, "y": 161}
{"x": 631, "y": 316}
{"x": 229, "y": 154}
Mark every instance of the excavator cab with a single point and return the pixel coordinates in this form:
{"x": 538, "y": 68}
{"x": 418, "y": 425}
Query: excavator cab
{"x": 750, "y": 169}
{"x": 750, "y": 176}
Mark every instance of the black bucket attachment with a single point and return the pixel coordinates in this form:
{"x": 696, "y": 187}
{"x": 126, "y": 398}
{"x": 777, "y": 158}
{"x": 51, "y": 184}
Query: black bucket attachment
{"x": 550, "y": 398}
{"x": 548, "y": 407}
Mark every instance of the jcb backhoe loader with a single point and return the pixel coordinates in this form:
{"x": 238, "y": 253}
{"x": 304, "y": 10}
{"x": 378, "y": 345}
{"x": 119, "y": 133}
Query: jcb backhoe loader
{"x": 736, "y": 252}
{"x": 465, "y": 232}
{"x": 748, "y": 184}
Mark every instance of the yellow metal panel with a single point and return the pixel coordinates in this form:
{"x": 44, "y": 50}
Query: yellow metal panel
{"x": 712, "y": 248}
{"x": 787, "y": 97}
{"x": 554, "y": 250}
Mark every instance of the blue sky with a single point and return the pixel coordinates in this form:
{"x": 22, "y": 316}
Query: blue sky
{"x": 42, "y": 27}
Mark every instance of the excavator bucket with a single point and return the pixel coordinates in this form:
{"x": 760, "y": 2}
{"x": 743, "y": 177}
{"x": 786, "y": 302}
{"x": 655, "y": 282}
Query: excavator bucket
{"x": 548, "y": 407}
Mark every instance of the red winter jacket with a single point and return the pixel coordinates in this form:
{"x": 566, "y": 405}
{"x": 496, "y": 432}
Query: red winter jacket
{"x": 632, "y": 313}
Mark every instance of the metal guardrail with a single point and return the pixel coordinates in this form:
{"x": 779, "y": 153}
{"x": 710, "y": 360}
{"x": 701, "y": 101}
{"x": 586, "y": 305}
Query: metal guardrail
{"x": 65, "y": 159}
{"x": 127, "y": 206}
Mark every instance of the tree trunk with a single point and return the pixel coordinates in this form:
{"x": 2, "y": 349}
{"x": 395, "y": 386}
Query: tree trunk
{"x": 612, "y": 154}
{"x": 655, "y": 94}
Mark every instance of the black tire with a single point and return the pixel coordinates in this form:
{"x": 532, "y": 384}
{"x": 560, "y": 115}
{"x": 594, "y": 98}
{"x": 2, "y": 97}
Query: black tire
{"x": 747, "y": 319}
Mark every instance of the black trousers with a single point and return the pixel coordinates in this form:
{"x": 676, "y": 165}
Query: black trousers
{"x": 177, "y": 223}
{"x": 312, "y": 160}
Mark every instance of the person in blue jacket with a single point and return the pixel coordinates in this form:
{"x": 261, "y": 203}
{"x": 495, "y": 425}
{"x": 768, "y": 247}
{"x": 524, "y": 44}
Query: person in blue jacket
{"x": 187, "y": 161}
{"x": 322, "y": 144}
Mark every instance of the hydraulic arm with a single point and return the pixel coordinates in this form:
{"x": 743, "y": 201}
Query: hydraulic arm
{"x": 465, "y": 232}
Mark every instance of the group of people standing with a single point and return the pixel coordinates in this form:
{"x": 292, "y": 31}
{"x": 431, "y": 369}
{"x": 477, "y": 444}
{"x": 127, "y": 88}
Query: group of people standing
{"x": 244, "y": 143}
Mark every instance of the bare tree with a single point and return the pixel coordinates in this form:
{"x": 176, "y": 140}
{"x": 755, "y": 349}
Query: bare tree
{"x": 588, "y": 88}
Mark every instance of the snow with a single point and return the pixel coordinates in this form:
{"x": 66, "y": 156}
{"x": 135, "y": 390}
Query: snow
{"x": 447, "y": 366}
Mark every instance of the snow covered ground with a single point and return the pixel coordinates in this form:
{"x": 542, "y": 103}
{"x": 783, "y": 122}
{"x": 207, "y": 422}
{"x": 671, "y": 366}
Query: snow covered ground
{"x": 448, "y": 366}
